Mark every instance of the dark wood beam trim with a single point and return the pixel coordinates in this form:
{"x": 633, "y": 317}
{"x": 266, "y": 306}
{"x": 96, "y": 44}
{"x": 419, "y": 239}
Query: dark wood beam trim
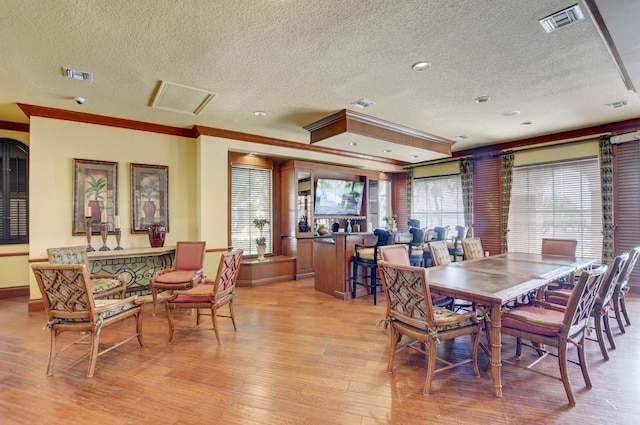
{"x": 246, "y": 137}
{"x": 41, "y": 111}
{"x": 615, "y": 128}
{"x": 346, "y": 121}
{"x": 14, "y": 126}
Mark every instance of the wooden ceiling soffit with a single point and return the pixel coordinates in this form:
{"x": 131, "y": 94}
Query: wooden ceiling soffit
{"x": 347, "y": 121}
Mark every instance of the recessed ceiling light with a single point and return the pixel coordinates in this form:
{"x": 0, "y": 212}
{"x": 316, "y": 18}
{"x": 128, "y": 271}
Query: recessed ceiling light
{"x": 260, "y": 113}
{"x": 462, "y": 137}
{"x": 511, "y": 113}
{"x": 482, "y": 99}
{"x": 353, "y": 144}
{"x": 421, "y": 66}
{"x": 414, "y": 156}
{"x": 526, "y": 123}
{"x": 386, "y": 150}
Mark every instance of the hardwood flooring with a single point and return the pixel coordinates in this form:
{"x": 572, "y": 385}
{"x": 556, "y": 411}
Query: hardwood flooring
{"x": 299, "y": 357}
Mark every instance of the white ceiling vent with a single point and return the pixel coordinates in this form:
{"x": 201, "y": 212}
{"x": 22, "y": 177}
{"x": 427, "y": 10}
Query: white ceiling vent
{"x": 77, "y": 75}
{"x": 180, "y": 98}
{"x": 562, "y": 19}
{"x": 363, "y": 103}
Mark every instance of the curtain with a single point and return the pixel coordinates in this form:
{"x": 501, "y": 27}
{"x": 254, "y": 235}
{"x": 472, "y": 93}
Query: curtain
{"x": 409, "y": 191}
{"x": 606, "y": 190}
{"x": 507, "y": 180}
{"x": 466, "y": 179}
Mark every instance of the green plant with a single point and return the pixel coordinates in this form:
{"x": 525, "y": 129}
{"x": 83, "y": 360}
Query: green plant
{"x": 390, "y": 219}
{"x": 150, "y": 190}
{"x": 259, "y": 224}
{"x": 96, "y": 187}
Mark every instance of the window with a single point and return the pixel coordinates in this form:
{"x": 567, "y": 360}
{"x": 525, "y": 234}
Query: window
{"x": 250, "y": 199}
{"x": 14, "y": 192}
{"x": 559, "y": 200}
{"x": 384, "y": 201}
{"x": 437, "y": 201}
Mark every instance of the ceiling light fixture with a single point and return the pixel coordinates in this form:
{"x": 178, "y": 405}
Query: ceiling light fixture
{"x": 260, "y": 113}
{"x": 482, "y": 99}
{"x": 386, "y": 150}
{"x": 353, "y": 144}
{"x": 421, "y": 66}
{"x": 462, "y": 137}
{"x": 414, "y": 156}
{"x": 526, "y": 123}
{"x": 511, "y": 113}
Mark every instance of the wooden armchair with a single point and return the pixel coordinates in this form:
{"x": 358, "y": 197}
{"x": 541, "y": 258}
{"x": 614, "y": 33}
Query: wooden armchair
{"x": 549, "y": 325}
{"x": 187, "y": 271}
{"x": 210, "y": 295}
{"x": 410, "y": 313}
{"x": 103, "y": 285}
{"x": 71, "y": 307}
{"x": 622, "y": 287}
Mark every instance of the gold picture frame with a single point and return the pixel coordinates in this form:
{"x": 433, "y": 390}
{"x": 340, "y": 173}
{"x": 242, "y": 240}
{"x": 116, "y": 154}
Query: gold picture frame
{"x": 95, "y": 194}
{"x": 149, "y": 196}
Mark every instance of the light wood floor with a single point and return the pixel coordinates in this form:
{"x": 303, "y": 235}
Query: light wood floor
{"x": 299, "y": 357}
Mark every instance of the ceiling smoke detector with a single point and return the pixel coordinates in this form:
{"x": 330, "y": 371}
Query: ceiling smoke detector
{"x": 77, "y": 74}
{"x": 562, "y": 19}
{"x": 363, "y": 103}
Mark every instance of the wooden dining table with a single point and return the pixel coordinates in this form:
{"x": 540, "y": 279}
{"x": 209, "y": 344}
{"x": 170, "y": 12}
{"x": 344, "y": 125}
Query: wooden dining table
{"x": 493, "y": 282}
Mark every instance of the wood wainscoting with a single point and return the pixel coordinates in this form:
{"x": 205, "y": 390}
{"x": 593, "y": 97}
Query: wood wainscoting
{"x": 273, "y": 269}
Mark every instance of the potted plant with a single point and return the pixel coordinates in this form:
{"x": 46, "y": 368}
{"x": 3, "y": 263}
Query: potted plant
{"x": 149, "y": 190}
{"x": 390, "y": 219}
{"x": 96, "y": 187}
{"x": 259, "y": 224}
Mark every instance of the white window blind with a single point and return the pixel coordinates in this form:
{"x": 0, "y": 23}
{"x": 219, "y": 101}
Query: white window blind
{"x": 559, "y": 200}
{"x": 250, "y": 199}
{"x": 437, "y": 201}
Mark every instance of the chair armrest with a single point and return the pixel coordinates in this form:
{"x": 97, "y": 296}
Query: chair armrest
{"x": 163, "y": 271}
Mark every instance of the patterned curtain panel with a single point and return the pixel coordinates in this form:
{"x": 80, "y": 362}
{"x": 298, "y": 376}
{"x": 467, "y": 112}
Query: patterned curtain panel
{"x": 409, "y": 191}
{"x": 606, "y": 189}
{"x": 466, "y": 178}
{"x": 507, "y": 174}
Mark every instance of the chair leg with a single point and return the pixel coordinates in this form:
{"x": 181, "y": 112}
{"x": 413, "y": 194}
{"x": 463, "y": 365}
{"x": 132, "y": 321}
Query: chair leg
{"x": 582, "y": 358}
{"x": 562, "y": 362}
{"x": 394, "y": 338}
{"x": 374, "y": 283}
{"x": 154, "y": 296}
{"x": 95, "y": 345}
{"x": 139, "y": 328}
{"x": 354, "y": 279}
{"x": 607, "y": 330}
{"x": 169, "y": 311}
{"x": 232, "y": 315}
{"x": 600, "y": 336}
{"x": 623, "y": 304}
{"x": 214, "y": 321}
{"x": 475, "y": 344}
{"x": 52, "y": 352}
{"x": 616, "y": 310}
{"x": 431, "y": 367}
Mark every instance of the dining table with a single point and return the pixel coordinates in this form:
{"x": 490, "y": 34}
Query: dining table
{"x": 491, "y": 283}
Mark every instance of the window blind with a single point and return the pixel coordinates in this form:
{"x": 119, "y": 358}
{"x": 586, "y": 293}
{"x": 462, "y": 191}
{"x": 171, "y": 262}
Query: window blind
{"x": 250, "y": 199}
{"x": 558, "y": 200}
{"x": 437, "y": 201}
{"x": 14, "y": 195}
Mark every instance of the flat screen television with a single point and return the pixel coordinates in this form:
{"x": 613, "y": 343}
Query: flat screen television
{"x": 338, "y": 197}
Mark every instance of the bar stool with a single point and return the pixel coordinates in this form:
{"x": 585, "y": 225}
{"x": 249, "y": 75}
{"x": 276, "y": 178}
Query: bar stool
{"x": 366, "y": 257}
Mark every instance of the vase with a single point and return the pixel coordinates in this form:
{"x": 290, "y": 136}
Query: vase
{"x": 261, "y": 251}
{"x": 157, "y": 233}
{"x": 149, "y": 209}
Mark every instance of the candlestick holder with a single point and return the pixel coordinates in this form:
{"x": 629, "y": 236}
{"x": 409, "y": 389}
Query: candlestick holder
{"x": 118, "y": 233}
{"x": 104, "y": 232}
{"x": 87, "y": 228}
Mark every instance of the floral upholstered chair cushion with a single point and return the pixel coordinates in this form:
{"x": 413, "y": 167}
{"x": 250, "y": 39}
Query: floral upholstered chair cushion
{"x": 472, "y": 248}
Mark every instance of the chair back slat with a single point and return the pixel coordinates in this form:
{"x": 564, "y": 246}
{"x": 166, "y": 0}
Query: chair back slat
{"x": 189, "y": 255}
{"x": 610, "y": 279}
{"x": 582, "y": 300}
{"x": 65, "y": 290}
{"x": 228, "y": 270}
{"x": 439, "y": 253}
{"x": 625, "y": 274}
{"x": 408, "y": 295}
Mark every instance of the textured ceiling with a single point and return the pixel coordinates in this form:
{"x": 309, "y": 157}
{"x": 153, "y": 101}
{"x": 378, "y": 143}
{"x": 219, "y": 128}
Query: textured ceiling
{"x": 302, "y": 60}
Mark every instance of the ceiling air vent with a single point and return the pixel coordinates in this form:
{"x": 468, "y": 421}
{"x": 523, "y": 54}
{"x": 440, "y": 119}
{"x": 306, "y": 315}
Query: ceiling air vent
{"x": 363, "y": 103}
{"x": 77, "y": 75}
{"x": 562, "y": 18}
{"x": 616, "y": 105}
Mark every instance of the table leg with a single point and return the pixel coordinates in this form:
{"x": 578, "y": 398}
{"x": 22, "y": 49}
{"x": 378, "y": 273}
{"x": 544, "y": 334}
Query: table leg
{"x": 495, "y": 339}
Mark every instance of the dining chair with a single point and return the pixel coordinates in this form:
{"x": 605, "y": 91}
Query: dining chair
{"x": 410, "y": 313}
{"x": 366, "y": 257}
{"x": 210, "y": 295}
{"x": 600, "y": 311}
{"x": 622, "y": 287}
{"x": 188, "y": 270}
{"x": 71, "y": 306}
{"x": 564, "y": 248}
{"x": 440, "y": 255}
{"x": 397, "y": 254}
{"x": 472, "y": 248}
{"x": 103, "y": 285}
{"x": 416, "y": 246}
{"x": 548, "y": 325}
